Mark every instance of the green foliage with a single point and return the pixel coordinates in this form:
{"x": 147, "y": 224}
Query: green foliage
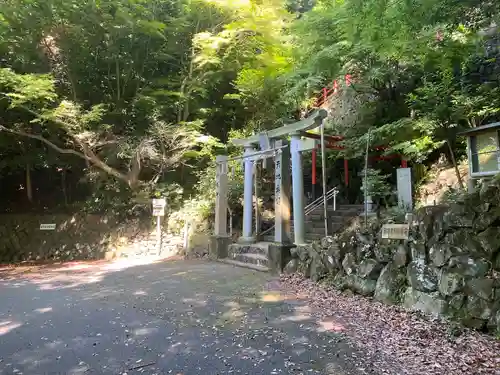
{"x": 414, "y": 65}
{"x": 140, "y": 96}
{"x": 26, "y": 89}
{"x": 377, "y": 185}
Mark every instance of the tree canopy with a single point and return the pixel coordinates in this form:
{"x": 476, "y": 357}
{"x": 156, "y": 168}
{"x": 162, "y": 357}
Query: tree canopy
{"x": 140, "y": 95}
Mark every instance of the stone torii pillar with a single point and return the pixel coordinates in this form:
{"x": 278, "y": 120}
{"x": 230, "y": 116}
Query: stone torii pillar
{"x": 282, "y": 194}
{"x": 247, "y": 236}
{"x": 299, "y": 217}
{"x": 221, "y": 191}
{"x": 219, "y": 242}
{"x": 279, "y": 251}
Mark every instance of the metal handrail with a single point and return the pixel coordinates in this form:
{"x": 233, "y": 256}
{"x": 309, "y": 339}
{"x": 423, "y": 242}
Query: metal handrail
{"x": 311, "y": 206}
{"x": 314, "y": 205}
{"x": 317, "y": 200}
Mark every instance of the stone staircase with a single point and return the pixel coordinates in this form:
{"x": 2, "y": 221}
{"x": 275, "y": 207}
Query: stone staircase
{"x": 315, "y": 223}
{"x": 255, "y": 256}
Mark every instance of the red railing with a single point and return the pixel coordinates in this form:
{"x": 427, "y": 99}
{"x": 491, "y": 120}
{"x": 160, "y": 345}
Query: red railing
{"x": 331, "y": 140}
{"x": 327, "y": 92}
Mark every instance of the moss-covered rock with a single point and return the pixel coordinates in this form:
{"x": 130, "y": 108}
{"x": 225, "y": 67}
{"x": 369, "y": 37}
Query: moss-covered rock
{"x": 429, "y": 303}
{"x": 422, "y": 277}
{"x": 494, "y": 323}
{"x": 464, "y": 241}
{"x": 292, "y": 266}
{"x": 418, "y": 251}
{"x": 335, "y": 255}
{"x": 450, "y": 283}
{"x": 303, "y": 252}
{"x": 385, "y": 250}
{"x": 478, "y": 308}
{"x": 401, "y": 256}
{"x": 480, "y": 287}
{"x": 365, "y": 287}
{"x": 369, "y": 269}
{"x": 459, "y": 216}
{"x": 440, "y": 254}
{"x": 349, "y": 264}
{"x": 317, "y": 268}
{"x": 469, "y": 266}
{"x": 455, "y": 305}
{"x": 390, "y": 284}
{"x": 496, "y": 263}
{"x": 490, "y": 241}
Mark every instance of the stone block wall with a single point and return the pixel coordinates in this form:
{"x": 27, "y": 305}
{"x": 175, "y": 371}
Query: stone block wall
{"x": 449, "y": 266}
{"x": 76, "y": 237}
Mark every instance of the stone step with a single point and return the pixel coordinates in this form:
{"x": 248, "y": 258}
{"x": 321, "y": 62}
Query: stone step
{"x": 258, "y": 259}
{"x": 315, "y": 228}
{"x": 309, "y": 237}
{"x": 339, "y": 208}
{"x": 318, "y": 217}
{"x": 244, "y": 265}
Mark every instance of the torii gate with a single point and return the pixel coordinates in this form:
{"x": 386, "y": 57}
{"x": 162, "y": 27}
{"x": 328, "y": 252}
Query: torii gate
{"x": 281, "y": 152}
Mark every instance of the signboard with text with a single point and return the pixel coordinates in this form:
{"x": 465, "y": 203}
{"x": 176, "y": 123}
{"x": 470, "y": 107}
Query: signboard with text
{"x": 159, "y": 205}
{"x": 47, "y": 227}
{"x": 396, "y": 231}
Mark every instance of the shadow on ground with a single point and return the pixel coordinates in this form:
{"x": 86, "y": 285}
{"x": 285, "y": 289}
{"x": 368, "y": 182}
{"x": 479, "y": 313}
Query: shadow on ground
{"x": 169, "y": 317}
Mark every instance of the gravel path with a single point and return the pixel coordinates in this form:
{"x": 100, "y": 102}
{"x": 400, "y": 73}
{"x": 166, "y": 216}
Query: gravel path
{"x": 170, "y": 317}
{"x": 403, "y": 343}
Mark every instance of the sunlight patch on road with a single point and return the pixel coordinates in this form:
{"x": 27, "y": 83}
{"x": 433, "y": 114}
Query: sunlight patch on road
{"x": 195, "y": 302}
{"x": 295, "y": 318}
{"x": 271, "y": 297}
{"x": 7, "y": 326}
{"x": 43, "y": 310}
{"x": 144, "y": 331}
{"x": 181, "y": 273}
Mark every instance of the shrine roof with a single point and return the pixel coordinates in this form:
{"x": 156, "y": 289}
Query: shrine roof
{"x": 479, "y": 129}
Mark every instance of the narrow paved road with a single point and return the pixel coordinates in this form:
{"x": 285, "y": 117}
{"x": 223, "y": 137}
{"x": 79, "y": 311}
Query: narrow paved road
{"x": 171, "y": 317}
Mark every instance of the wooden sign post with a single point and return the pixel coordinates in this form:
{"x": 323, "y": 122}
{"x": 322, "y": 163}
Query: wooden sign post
{"x": 159, "y": 205}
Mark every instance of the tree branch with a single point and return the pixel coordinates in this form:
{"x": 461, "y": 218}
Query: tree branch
{"x": 44, "y": 140}
{"x": 93, "y": 158}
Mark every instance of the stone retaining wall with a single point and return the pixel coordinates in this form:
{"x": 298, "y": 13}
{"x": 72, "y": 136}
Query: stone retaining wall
{"x": 76, "y": 237}
{"x": 450, "y": 265}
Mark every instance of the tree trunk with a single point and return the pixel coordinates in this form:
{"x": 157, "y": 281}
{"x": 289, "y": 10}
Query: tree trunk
{"x": 63, "y": 186}
{"x": 118, "y": 96}
{"x": 183, "y": 112}
{"x": 29, "y": 187}
{"x": 454, "y": 161}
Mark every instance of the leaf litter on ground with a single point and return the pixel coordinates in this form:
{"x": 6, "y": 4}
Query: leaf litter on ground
{"x": 404, "y": 343}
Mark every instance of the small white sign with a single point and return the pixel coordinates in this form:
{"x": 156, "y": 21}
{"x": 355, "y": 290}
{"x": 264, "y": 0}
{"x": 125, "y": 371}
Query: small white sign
{"x": 47, "y": 227}
{"x": 159, "y": 205}
{"x": 308, "y": 144}
{"x": 396, "y": 231}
